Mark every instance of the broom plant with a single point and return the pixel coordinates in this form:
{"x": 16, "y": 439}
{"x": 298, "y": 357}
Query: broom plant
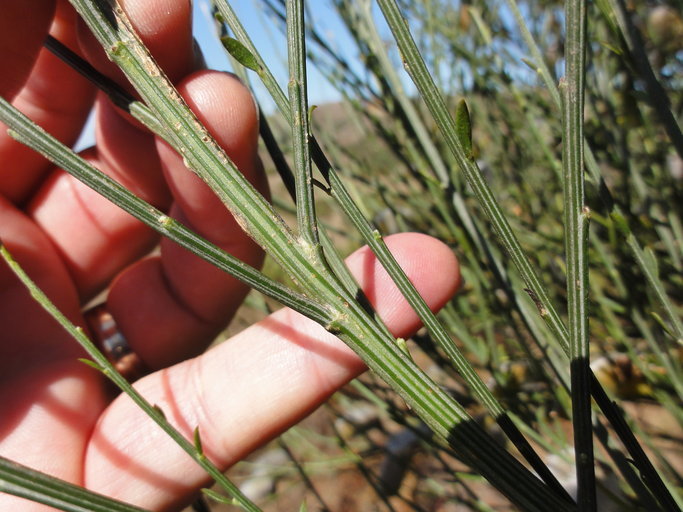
{"x": 440, "y": 148}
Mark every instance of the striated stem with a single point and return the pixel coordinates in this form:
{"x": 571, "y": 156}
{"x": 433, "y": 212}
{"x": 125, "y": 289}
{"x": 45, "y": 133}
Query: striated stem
{"x": 576, "y": 250}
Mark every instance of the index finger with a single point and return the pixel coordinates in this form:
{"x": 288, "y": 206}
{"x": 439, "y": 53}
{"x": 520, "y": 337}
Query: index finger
{"x": 54, "y": 96}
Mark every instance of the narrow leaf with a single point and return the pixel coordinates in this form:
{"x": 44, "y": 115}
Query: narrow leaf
{"x": 463, "y": 127}
{"x": 159, "y": 410}
{"x": 240, "y": 53}
{"x": 198, "y": 442}
{"x": 651, "y": 261}
{"x": 217, "y": 497}
{"x": 91, "y": 363}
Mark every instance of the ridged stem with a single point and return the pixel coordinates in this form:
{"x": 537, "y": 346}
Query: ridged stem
{"x": 576, "y": 216}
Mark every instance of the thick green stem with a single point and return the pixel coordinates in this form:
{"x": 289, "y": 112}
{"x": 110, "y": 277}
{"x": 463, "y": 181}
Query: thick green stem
{"x": 576, "y": 250}
{"x": 33, "y": 485}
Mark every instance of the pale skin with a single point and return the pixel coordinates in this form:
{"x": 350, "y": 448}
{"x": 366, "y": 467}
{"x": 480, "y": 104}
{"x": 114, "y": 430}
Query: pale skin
{"x": 58, "y": 415}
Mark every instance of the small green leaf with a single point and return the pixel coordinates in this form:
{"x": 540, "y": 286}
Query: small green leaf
{"x": 481, "y": 25}
{"x": 159, "y": 410}
{"x": 651, "y": 261}
{"x": 463, "y": 127}
{"x": 532, "y": 65}
{"x": 90, "y": 363}
{"x": 310, "y": 115}
{"x": 217, "y": 497}
{"x": 612, "y": 48}
{"x": 198, "y": 442}
{"x": 403, "y": 345}
{"x": 620, "y": 223}
{"x": 240, "y": 53}
{"x": 303, "y": 507}
{"x": 662, "y": 324}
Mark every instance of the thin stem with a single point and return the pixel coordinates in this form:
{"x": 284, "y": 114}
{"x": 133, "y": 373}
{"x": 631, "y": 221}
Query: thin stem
{"x": 539, "y": 61}
{"x": 576, "y": 250}
{"x": 228, "y": 15}
{"x": 655, "y": 92}
{"x": 305, "y": 202}
{"x": 417, "y": 69}
{"x": 397, "y": 89}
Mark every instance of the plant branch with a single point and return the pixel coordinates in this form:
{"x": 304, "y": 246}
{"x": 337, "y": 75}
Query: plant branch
{"x": 296, "y": 45}
{"x": 376, "y": 243}
{"x": 576, "y": 250}
{"x": 26, "y": 132}
{"x": 33, "y": 485}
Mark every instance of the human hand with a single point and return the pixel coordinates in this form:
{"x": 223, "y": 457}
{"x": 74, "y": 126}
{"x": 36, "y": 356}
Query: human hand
{"x": 56, "y": 414}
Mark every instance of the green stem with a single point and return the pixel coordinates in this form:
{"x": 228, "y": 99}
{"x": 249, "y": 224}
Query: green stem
{"x": 305, "y": 202}
{"x": 33, "y": 485}
{"x": 576, "y": 250}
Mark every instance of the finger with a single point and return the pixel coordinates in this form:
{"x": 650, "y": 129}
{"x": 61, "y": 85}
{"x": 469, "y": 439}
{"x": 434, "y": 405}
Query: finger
{"x": 55, "y": 97}
{"x": 165, "y": 26}
{"x": 23, "y": 26}
{"x": 252, "y": 387}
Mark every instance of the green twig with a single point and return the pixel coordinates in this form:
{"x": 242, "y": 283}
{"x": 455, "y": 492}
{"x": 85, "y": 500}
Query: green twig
{"x": 305, "y": 202}
{"x": 576, "y": 216}
{"x": 33, "y": 485}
